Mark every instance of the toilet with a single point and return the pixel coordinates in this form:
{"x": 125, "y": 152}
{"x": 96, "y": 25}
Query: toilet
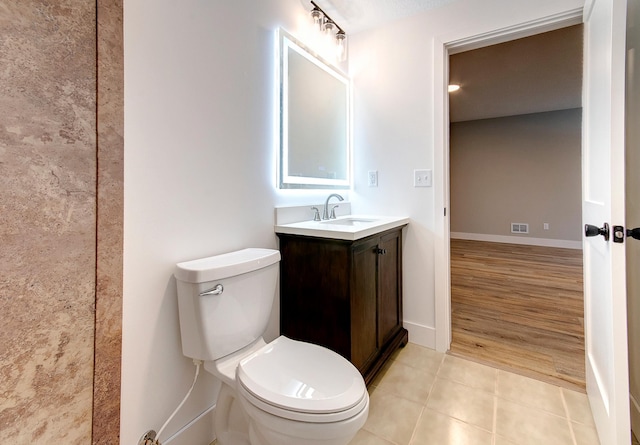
{"x": 285, "y": 392}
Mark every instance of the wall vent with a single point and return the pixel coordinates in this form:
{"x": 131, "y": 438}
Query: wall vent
{"x": 519, "y": 228}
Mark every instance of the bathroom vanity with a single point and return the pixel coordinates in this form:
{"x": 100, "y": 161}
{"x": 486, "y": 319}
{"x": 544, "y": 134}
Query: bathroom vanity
{"x": 342, "y": 288}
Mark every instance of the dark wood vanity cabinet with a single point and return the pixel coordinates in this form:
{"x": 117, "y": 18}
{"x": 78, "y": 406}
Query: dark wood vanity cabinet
{"x": 344, "y": 295}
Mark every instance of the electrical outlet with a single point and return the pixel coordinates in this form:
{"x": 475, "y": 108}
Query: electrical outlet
{"x": 422, "y": 178}
{"x": 373, "y": 178}
{"x": 546, "y": 226}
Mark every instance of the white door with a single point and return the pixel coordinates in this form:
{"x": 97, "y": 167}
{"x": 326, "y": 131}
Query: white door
{"x": 604, "y": 202}
{"x": 632, "y": 180}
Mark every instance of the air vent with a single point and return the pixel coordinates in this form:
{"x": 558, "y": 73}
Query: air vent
{"x": 519, "y": 228}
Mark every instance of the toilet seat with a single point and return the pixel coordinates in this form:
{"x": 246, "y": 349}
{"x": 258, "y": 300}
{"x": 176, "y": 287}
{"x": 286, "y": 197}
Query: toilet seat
{"x": 301, "y": 381}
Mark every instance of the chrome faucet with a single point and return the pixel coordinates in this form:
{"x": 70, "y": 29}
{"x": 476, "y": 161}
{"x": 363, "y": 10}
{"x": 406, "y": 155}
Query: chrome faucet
{"x": 325, "y": 213}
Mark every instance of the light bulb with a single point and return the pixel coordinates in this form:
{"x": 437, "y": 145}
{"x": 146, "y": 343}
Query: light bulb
{"x": 341, "y": 46}
{"x": 318, "y": 17}
{"x": 329, "y": 27}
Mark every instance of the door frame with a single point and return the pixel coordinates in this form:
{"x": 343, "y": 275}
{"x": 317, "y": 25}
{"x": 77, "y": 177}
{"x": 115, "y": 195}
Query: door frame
{"x": 443, "y": 48}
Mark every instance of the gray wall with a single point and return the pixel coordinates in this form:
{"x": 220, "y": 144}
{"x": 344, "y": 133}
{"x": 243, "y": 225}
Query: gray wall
{"x": 524, "y": 169}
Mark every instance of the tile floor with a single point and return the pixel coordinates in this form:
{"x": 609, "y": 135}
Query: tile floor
{"x": 423, "y": 397}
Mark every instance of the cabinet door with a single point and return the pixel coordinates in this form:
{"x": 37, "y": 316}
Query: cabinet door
{"x": 390, "y": 286}
{"x": 364, "y": 345}
{"x": 314, "y": 292}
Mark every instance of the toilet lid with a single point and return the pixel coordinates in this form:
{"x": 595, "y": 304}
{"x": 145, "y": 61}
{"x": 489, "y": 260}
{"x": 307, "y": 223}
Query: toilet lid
{"x": 302, "y": 377}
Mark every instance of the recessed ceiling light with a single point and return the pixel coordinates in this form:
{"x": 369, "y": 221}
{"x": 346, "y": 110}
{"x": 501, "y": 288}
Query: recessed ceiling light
{"x": 453, "y": 88}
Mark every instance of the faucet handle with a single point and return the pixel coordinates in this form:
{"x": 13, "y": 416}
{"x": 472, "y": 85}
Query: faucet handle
{"x": 333, "y": 212}
{"x": 316, "y": 216}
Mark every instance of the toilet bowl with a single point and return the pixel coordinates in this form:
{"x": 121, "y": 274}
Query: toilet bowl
{"x": 285, "y": 392}
{"x": 292, "y": 393}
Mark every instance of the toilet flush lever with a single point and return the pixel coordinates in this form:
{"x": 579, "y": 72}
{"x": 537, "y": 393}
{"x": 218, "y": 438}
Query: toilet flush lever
{"x": 217, "y": 290}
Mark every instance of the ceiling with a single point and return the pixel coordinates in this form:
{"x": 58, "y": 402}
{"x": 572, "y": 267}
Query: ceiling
{"x": 528, "y": 75}
{"x": 358, "y": 15}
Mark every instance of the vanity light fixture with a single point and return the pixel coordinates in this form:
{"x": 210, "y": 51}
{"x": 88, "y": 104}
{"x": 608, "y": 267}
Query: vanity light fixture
{"x": 326, "y": 25}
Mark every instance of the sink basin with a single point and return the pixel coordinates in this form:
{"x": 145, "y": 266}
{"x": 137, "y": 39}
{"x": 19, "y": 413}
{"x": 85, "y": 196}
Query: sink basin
{"x": 349, "y": 221}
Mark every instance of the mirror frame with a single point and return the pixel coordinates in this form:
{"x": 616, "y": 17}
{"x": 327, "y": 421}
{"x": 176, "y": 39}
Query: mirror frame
{"x": 287, "y": 42}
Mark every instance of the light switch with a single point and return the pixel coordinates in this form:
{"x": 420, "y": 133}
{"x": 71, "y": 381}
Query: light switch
{"x": 373, "y": 178}
{"x": 422, "y": 178}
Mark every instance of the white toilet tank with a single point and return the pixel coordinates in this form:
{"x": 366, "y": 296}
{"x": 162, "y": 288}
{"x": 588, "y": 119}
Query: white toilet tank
{"x": 225, "y": 301}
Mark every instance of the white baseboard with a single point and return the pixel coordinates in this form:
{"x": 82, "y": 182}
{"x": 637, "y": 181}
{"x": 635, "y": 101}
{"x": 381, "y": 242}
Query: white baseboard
{"x": 545, "y": 242}
{"x": 635, "y": 415}
{"x": 421, "y": 335}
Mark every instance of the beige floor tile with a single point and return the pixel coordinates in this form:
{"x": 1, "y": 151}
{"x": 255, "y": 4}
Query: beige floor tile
{"x": 503, "y": 441}
{"x": 392, "y": 417}
{"x": 435, "y": 428}
{"x": 530, "y": 392}
{"x": 419, "y": 357}
{"x": 578, "y": 406}
{"x": 380, "y": 375}
{"x": 468, "y": 373}
{"x": 531, "y": 426}
{"x": 461, "y": 399}
{"x": 468, "y": 404}
{"x": 585, "y": 434}
{"x": 364, "y": 437}
{"x": 407, "y": 382}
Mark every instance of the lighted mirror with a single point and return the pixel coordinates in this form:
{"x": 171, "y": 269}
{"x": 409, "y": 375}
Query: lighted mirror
{"x": 315, "y": 147}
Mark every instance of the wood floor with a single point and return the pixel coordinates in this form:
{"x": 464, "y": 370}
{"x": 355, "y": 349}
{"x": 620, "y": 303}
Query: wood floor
{"x": 519, "y": 308}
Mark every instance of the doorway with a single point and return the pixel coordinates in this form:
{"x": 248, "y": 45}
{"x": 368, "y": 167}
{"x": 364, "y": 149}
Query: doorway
{"x": 515, "y": 199}
{"x": 608, "y": 395}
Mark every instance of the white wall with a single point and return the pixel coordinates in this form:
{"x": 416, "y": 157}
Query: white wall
{"x": 199, "y": 179}
{"x": 398, "y": 128}
{"x": 199, "y": 163}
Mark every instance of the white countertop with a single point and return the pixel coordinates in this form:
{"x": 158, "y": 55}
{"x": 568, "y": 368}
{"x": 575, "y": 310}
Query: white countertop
{"x": 348, "y": 227}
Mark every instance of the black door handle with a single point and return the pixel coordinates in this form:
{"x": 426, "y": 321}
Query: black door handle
{"x": 634, "y": 233}
{"x": 590, "y": 230}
